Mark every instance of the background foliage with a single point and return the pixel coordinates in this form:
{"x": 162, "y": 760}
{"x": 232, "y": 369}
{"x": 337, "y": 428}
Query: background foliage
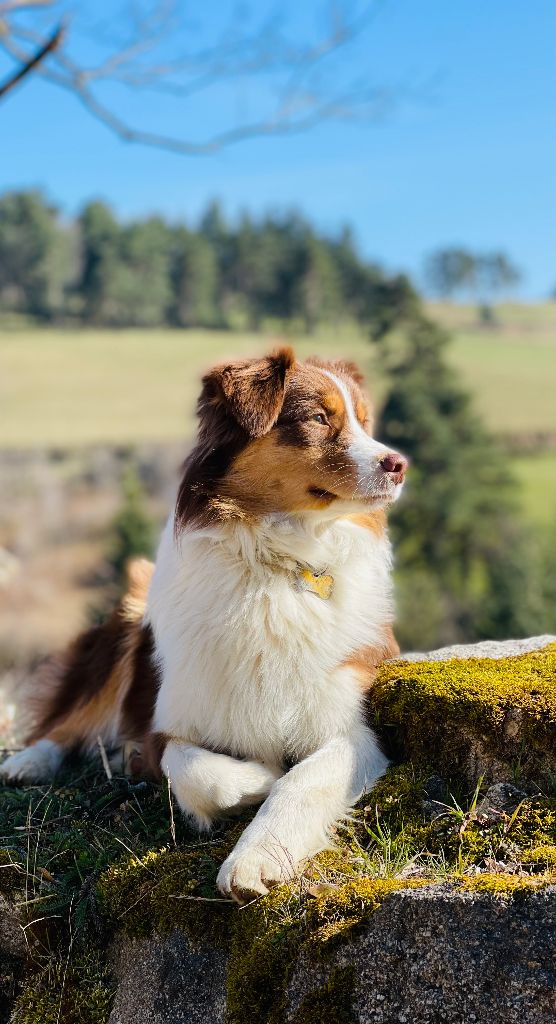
{"x": 467, "y": 564}
{"x": 99, "y": 271}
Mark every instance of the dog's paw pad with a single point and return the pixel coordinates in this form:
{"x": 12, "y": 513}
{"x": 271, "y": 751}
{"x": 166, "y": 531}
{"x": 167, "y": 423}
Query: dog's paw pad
{"x": 247, "y": 875}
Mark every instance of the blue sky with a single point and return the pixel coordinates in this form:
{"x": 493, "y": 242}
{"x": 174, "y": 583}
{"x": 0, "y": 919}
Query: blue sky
{"x": 466, "y": 157}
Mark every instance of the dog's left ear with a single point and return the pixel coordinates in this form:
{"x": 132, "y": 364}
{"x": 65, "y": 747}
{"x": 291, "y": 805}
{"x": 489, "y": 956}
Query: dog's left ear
{"x": 253, "y": 390}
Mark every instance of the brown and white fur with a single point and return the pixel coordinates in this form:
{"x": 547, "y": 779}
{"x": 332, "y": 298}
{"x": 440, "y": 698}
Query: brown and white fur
{"x": 246, "y": 688}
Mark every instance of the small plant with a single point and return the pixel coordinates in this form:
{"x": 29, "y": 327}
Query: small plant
{"x": 133, "y": 529}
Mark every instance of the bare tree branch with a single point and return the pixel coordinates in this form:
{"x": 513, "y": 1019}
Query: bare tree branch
{"x": 9, "y": 6}
{"x": 292, "y": 71}
{"x": 32, "y": 62}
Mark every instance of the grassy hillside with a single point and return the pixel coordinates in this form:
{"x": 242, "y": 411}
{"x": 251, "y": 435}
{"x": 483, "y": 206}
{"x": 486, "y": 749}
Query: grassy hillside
{"x": 511, "y": 368}
{"x": 75, "y": 387}
{"x": 536, "y": 474}
{"x": 82, "y": 386}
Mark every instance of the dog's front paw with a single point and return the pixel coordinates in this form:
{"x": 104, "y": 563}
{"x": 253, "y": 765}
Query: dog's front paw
{"x": 37, "y": 763}
{"x": 251, "y": 872}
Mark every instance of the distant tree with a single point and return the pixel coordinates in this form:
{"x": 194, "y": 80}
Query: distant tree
{"x": 240, "y": 283}
{"x": 100, "y": 262}
{"x": 464, "y": 563}
{"x": 141, "y": 290}
{"x": 456, "y": 272}
{"x": 213, "y": 225}
{"x": 147, "y": 273}
{"x": 450, "y": 272}
{"x": 194, "y": 275}
{"x": 495, "y": 276}
{"x": 389, "y": 302}
{"x": 319, "y": 283}
{"x": 125, "y": 270}
{"x": 32, "y": 264}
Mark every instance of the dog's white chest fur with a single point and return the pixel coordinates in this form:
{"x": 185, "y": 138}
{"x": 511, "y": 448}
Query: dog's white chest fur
{"x": 250, "y": 663}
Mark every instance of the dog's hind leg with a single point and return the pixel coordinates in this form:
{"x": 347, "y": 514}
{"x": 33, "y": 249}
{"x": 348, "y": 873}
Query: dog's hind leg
{"x": 85, "y": 693}
{"x": 208, "y": 785}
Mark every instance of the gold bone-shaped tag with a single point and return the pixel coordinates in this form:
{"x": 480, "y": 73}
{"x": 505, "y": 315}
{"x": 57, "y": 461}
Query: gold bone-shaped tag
{"x": 322, "y": 585}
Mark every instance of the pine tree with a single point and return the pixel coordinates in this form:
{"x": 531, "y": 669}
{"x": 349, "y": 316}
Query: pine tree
{"x": 464, "y": 562}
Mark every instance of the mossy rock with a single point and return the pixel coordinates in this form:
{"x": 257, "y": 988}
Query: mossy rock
{"x": 122, "y": 882}
{"x": 488, "y": 717}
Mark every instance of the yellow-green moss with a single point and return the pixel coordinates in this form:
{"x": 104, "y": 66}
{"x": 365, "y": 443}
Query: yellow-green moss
{"x": 543, "y": 856}
{"x": 460, "y": 711}
{"x": 506, "y": 885}
{"x": 79, "y": 992}
{"x": 167, "y": 889}
{"x": 433, "y": 710}
{"x": 270, "y": 935}
{"x": 460, "y": 835}
{"x": 337, "y": 914}
{"x": 265, "y": 942}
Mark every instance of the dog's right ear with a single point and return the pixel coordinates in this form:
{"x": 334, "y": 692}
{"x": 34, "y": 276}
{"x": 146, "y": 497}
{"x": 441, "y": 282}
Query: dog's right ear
{"x": 251, "y": 391}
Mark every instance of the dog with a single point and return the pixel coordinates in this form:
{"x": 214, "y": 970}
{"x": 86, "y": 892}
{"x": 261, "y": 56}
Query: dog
{"x": 242, "y": 663}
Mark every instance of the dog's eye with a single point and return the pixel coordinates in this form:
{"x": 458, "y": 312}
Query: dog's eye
{"x": 320, "y": 418}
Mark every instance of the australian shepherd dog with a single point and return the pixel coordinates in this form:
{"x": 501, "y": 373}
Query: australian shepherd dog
{"x": 243, "y": 661}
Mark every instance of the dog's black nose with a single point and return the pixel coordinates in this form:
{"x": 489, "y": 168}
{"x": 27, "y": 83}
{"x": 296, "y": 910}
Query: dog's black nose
{"x": 395, "y": 465}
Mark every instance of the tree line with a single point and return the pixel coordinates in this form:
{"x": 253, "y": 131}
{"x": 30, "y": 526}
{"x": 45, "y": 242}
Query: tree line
{"x": 480, "y": 277}
{"x": 101, "y": 271}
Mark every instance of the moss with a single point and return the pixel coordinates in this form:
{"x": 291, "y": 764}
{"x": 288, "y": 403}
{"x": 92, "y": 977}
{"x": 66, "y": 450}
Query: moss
{"x": 167, "y": 889}
{"x": 336, "y": 915}
{"x": 10, "y": 977}
{"x": 332, "y": 1002}
{"x": 396, "y": 802}
{"x": 79, "y": 992}
{"x": 543, "y": 856}
{"x": 474, "y": 714}
{"x": 506, "y": 885}
{"x": 265, "y": 943}
{"x": 391, "y": 823}
{"x": 57, "y": 843}
{"x": 270, "y": 935}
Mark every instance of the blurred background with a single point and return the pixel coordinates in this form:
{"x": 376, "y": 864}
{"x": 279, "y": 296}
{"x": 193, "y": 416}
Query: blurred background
{"x": 185, "y": 181}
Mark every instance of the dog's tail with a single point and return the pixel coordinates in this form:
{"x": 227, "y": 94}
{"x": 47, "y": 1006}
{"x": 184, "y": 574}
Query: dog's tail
{"x": 103, "y": 687}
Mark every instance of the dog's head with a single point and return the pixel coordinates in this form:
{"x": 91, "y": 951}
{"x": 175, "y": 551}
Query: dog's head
{"x": 281, "y": 435}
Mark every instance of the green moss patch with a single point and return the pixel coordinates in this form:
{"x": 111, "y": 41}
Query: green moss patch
{"x": 76, "y": 992}
{"x": 476, "y": 716}
{"x": 167, "y": 889}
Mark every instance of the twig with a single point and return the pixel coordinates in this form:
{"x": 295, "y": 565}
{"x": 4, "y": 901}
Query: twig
{"x": 172, "y": 821}
{"x": 49, "y": 46}
{"x": 104, "y": 758}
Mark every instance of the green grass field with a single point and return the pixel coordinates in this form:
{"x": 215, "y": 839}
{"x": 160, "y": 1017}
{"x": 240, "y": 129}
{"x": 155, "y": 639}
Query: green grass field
{"x": 78, "y": 387}
{"x": 75, "y": 387}
{"x": 511, "y": 370}
{"x": 537, "y": 477}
